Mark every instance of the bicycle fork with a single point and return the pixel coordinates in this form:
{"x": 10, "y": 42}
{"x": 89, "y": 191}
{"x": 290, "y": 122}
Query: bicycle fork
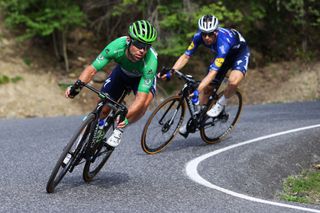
{"x": 167, "y": 125}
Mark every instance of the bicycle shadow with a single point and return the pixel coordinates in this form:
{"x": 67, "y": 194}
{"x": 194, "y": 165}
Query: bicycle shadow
{"x": 107, "y": 179}
{"x": 194, "y": 142}
{"x": 104, "y": 179}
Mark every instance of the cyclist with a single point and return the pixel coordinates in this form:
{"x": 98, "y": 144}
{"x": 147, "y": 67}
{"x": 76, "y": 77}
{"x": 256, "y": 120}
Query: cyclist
{"x": 231, "y": 52}
{"x": 136, "y": 67}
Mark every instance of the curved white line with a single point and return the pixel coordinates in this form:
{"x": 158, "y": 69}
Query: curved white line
{"x": 191, "y": 169}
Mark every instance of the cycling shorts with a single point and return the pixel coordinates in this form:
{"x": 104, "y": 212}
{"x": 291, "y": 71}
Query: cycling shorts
{"x": 235, "y": 61}
{"x": 118, "y": 81}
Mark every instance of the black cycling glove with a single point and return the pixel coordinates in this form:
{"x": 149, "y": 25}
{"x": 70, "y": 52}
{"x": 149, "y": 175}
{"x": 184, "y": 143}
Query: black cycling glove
{"x": 75, "y": 88}
{"x": 168, "y": 72}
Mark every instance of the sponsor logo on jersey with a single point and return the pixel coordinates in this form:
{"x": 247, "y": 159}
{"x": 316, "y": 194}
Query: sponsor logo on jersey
{"x": 222, "y": 49}
{"x": 107, "y": 82}
{"x": 147, "y": 81}
{"x": 219, "y": 61}
{"x": 239, "y": 62}
{"x": 150, "y": 72}
{"x": 100, "y": 58}
{"x": 191, "y": 46}
{"x": 107, "y": 51}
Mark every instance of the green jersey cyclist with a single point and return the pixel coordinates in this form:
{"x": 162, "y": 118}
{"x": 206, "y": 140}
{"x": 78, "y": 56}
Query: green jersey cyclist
{"x": 136, "y": 68}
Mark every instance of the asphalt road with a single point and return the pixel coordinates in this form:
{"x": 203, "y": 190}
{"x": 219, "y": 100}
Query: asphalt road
{"x": 135, "y": 182}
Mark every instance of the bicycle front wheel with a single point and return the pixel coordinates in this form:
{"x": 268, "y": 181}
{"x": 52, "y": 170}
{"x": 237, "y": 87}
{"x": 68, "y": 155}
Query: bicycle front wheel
{"x": 99, "y": 154}
{"x": 215, "y": 129}
{"x": 162, "y": 125}
{"x": 74, "y": 149}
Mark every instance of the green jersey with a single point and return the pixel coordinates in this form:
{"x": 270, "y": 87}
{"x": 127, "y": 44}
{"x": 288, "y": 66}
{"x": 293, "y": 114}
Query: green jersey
{"x": 146, "y": 68}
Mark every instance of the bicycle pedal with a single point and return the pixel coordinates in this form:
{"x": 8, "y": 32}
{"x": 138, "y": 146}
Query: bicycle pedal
{"x": 185, "y": 135}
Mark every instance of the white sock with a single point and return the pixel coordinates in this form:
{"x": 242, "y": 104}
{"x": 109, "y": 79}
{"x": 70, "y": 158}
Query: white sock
{"x": 223, "y": 101}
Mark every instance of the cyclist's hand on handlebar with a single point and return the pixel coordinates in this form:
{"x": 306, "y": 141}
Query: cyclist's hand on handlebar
{"x": 122, "y": 124}
{"x": 74, "y": 89}
{"x": 166, "y": 74}
{"x": 195, "y": 93}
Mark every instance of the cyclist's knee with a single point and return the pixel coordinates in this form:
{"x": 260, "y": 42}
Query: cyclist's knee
{"x": 235, "y": 78}
{"x": 233, "y": 84}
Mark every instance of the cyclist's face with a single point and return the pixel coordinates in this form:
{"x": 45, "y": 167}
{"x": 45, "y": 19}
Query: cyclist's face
{"x": 138, "y": 50}
{"x": 209, "y": 38}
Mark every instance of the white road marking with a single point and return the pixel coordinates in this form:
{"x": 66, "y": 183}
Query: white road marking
{"x": 191, "y": 169}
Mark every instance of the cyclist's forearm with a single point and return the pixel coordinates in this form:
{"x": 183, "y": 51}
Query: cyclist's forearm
{"x": 181, "y": 62}
{"x": 137, "y": 108}
{"x": 206, "y": 81}
{"x": 87, "y": 74}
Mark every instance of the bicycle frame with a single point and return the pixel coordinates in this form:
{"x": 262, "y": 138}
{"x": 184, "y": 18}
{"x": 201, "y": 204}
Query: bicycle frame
{"x": 105, "y": 99}
{"x": 197, "y": 119}
{"x": 167, "y": 118}
{"x": 83, "y": 145}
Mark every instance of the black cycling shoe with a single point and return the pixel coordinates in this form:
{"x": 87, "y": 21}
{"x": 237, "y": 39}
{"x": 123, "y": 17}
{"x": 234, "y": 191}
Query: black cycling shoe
{"x": 185, "y": 135}
{"x": 183, "y": 131}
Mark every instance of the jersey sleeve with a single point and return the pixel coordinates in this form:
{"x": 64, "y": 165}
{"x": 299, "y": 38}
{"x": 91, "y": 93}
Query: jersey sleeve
{"x": 193, "y": 46}
{"x": 105, "y": 56}
{"x": 149, "y": 73}
{"x": 222, "y": 51}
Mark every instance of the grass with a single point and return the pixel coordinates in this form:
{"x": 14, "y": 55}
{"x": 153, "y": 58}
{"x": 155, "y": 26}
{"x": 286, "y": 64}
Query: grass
{"x": 27, "y": 61}
{"x": 5, "y": 79}
{"x": 64, "y": 86}
{"x": 303, "y": 188}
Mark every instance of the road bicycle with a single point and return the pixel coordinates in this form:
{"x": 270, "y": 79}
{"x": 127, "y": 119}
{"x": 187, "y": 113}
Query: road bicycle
{"x": 88, "y": 144}
{"x": 164, "y": 122}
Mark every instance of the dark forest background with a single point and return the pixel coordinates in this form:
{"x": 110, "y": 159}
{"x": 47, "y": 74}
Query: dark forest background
{"x": 276, "y": 30}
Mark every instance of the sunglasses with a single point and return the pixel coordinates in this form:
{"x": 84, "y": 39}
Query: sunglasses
{"x": 207, "y": 34}
{"x": 141, "y": 45}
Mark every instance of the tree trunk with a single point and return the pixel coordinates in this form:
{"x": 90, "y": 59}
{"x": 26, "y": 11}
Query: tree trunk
{"x": 55, "y": 44}
{"x": 64, "y": 49}
{"x": 304, "y": 44}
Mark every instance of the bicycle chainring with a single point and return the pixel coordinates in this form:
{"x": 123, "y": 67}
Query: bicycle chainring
{"x": 192, "y": 125}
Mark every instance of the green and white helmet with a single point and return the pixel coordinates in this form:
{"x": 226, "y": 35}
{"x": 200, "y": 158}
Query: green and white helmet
{"x": 143, "y": 31}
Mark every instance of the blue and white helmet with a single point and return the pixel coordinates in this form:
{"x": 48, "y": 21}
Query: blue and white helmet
{"x": 208, "y": 23}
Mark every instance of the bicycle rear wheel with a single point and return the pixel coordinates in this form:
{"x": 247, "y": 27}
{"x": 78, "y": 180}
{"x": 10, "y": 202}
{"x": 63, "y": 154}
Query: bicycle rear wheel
{"x": 98, "y": 155}
{"x": 215, "y": 129}
{"x": 74, "y": 148}
{"x": 162, "y": 125}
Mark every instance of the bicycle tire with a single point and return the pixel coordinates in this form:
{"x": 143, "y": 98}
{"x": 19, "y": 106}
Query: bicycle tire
{"x": 99, "y": 149}
{"x": 149, "y": 138}
{"x": 235, "y": 107}
{"x": 57, "y": 174}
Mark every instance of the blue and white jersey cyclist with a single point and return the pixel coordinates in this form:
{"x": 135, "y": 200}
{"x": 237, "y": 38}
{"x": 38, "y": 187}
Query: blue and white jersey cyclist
{"x": 230, "y": 51}
{"x": 228, "y": 42}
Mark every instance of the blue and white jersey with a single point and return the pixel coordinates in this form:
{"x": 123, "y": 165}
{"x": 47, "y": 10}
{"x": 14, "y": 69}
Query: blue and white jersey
{"x": 228, "y": 42}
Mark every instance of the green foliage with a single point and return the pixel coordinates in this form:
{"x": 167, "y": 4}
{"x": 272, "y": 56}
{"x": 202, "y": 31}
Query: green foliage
{"x": 277, "y": 30}
{"x": 178, "y": 25}
{"x": 226, "y": 16}
{"x": 27, "y": 61}
{"x": 42, "y": 18}
{"x": 16, "y": 79}
{"x": 5, "y": 79}
{"x": 304, "y": 188}
{"x": 63, "y": 86}
{"x": 123, "y": 7}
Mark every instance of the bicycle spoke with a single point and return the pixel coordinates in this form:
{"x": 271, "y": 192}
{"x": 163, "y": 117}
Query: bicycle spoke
{"x": 74, "y": 148}
{"x": 162, "y": 125}
{"x": 215, "y": 129}
{"x": 100, "y": 153}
